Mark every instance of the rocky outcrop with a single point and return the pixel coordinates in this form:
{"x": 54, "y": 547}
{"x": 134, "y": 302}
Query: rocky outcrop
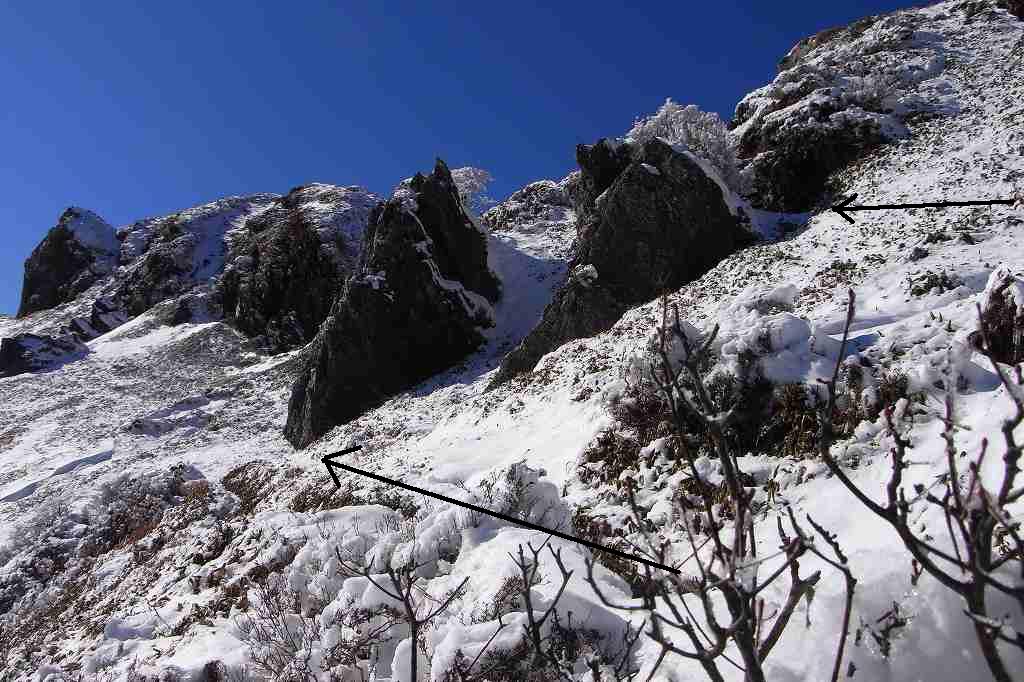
{"x": 662, "y": 222}
{"x": 656, "y": 224}
{"x": 290, "y": 260}
{"x": 168, "y": 256}
{"x": 538, "y": 205}
{"x": 415, "y": 307}
{"x": 31, "y": 353}
{"x": 839, "y": 94}
{"x": 79, "y": 250}
{"x": 600, "y": 164}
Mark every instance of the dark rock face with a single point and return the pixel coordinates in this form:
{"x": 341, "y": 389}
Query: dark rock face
{"x": 79, "y": 250}
{"x": 657, "y": 224}
{"x": 414, "y": 308}
{"x": 31, "y": 353}
{"x": 792, "y": 165}
{"x": 600, "y": 164}
{"x": 661, "y": 223}
{"x": 291, "y": 262}
{"x": 1014, "y": 7}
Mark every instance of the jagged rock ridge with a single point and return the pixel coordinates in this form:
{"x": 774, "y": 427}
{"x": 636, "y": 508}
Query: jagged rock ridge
{"x": 416, "y": 305}
{"x": 290, "y": 260}
{"x": 649, "y": 219}
{"x": 269, "y": 265}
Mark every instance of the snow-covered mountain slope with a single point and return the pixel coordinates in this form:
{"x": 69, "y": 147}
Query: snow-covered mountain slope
{"x": 151, "y": 507}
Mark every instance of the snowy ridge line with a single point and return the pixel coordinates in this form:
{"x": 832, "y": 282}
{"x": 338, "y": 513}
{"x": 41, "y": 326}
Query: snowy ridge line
{"x": 329, "y": 463}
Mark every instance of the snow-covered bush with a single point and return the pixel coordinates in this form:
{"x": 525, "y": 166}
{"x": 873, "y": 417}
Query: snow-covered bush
{"x": 701, "y": 132}
{"x": 280, "y": 635}
{"x": 126, "y": 508}
{"x": 1003, "y": 314}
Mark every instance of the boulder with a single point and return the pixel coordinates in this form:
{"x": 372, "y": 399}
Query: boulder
{"x": 79, "y": 250}
{"x": 31, "y": 353}
{"x": 290, "y": 261}
{"x": 660, "y": 222}
{"x": 416, "y": 305}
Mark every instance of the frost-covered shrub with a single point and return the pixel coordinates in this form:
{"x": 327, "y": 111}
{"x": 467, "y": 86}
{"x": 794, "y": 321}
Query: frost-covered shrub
{"x": 607, "y": 457}
{"x": 125, "y": 509}
{"x": 250, "y": 482}
{"x": 1003, "y": 315}
{"x": 280, "y": 636}
{"x": 472, "y": 184}
{"x": 703, "y": 133}
{"x": 515, "y": 491}
{"x": 929, "y": 282}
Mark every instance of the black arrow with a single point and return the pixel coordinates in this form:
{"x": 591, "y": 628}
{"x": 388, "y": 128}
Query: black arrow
{"x": 330, "y": 464}
{"x": 843, "y": 207}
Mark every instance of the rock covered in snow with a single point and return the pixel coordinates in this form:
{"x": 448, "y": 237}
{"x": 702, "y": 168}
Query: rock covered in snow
{"x": 168, "y": 256}
{"x": 31, "y": 353}
{"x": 415, "y": 307}
{"x": 80, "y": 249}
{"x": 839, "y": 93}
{"x": 289, "y": 260}
{"x": 640, "y": 231}
{"x": 540, "y": 204}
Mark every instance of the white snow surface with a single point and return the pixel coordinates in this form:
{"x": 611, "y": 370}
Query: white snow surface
{"x": 149, "y": 397}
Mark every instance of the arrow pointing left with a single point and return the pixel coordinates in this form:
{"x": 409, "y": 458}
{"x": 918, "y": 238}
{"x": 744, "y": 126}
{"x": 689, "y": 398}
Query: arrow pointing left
{"x": 331, "y": 464}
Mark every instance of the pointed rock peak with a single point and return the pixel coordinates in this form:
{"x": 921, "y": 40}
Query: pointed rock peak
{"x": 457, "y": 247}
{"x": 423, "y": 268}
{"x": 81, "y": 248}
{"x": 89, "y": 230}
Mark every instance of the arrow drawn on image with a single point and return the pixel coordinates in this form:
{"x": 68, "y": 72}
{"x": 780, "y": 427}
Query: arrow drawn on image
{"x": 331, "y": 464}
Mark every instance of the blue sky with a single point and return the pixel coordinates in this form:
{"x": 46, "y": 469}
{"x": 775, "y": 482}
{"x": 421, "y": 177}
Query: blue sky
{"x": 140, "y": 109}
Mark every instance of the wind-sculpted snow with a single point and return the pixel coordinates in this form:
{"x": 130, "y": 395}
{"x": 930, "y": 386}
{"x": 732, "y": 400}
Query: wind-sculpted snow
{"x": 222, "y": 507}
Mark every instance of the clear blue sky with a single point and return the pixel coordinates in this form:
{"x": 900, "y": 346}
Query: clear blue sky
{"x": 142, "y": 108}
